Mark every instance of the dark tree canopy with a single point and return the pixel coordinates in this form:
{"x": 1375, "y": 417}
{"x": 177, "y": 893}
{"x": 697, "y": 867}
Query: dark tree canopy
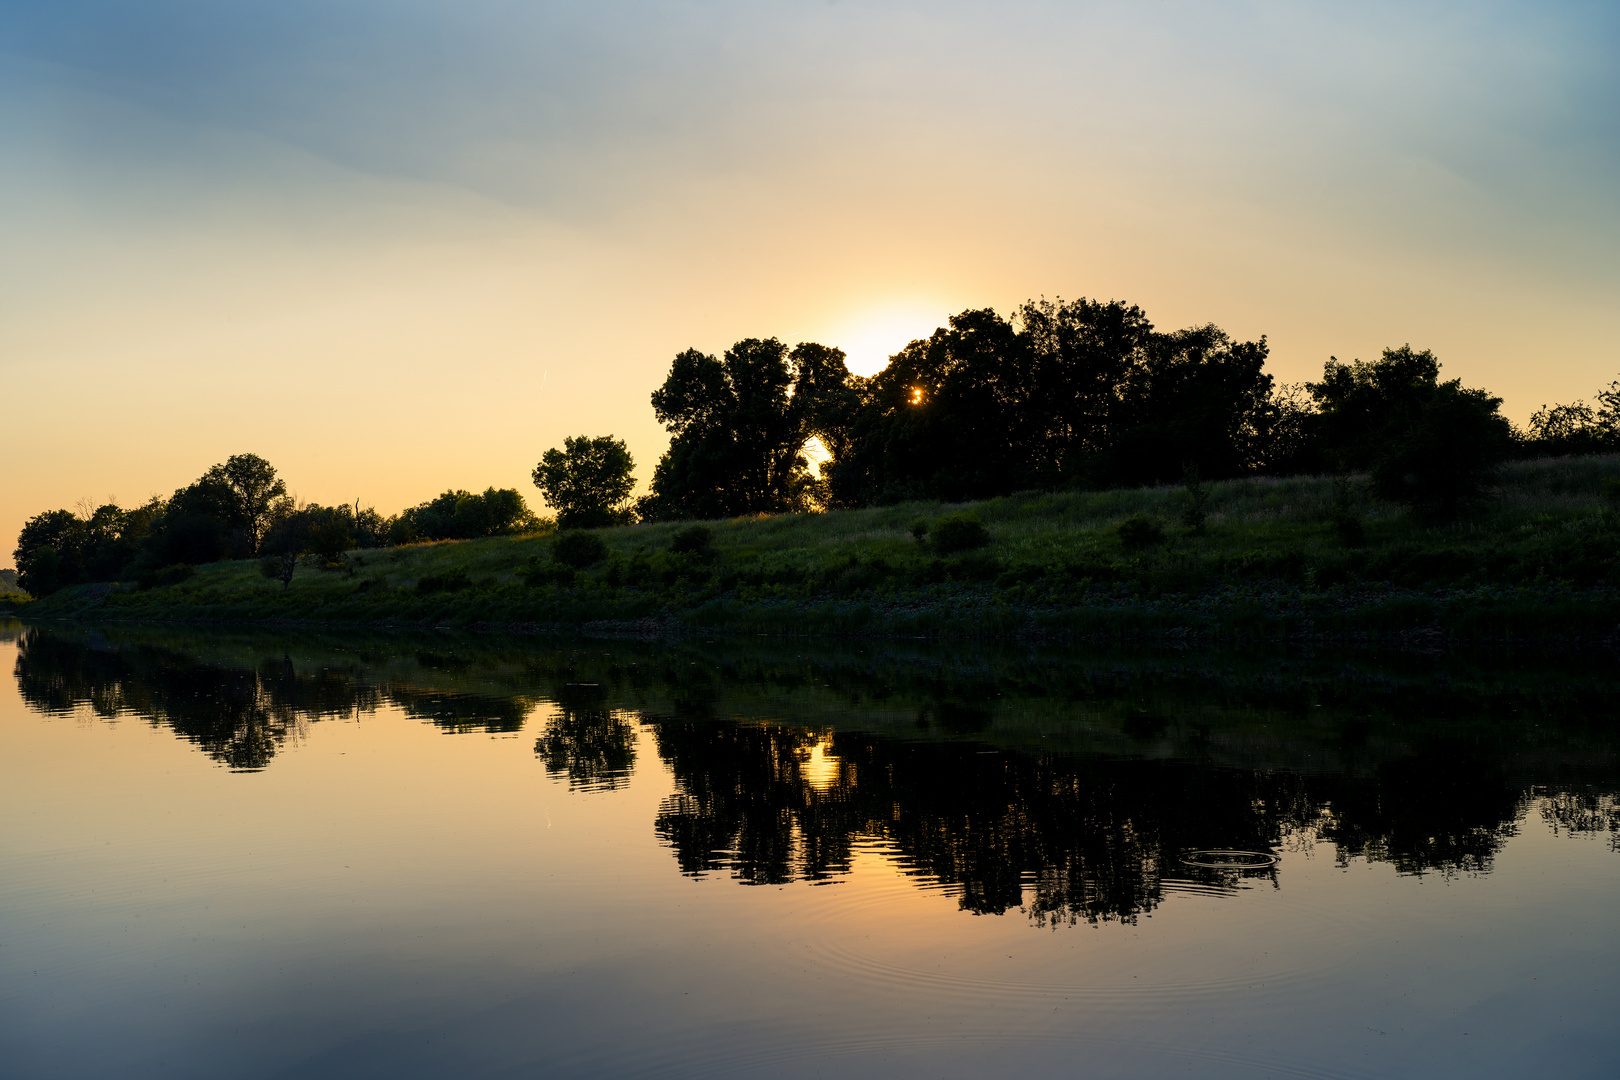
{"x": 1430, "y": 444}
{"x": 741, "y": 425}
{"x": 588, "y": 482}
{"x": 255, "y": 489}
{"x": 1578, "y": 428}
{"x": 1083, "y": 392}
{"x": 462, "y": 515}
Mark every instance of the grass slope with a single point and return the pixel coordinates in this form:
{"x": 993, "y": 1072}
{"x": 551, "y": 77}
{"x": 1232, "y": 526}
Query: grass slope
{"x": 1540, "y": 559}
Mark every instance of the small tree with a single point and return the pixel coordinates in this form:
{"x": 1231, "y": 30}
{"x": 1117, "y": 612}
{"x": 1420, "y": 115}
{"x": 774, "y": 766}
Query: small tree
{"x": 1195, "y": 501}
{"x": 329, "y": 533}
{"x": 1444, "y": 458}
{"x": 284, "y": 544}
{"x": 960, "y": 532}
{"x": 588, "y": 482}
{"x": 1140, "y": 532}
{"x": 578, "y": 549}
{"x": 253, "y": 482}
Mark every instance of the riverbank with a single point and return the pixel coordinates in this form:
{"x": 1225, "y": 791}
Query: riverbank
{"x": 1270, "y": 557}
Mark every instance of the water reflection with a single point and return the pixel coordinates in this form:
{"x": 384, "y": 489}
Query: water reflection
{"x": 1066, "y": 787}
{"x": 591, "y": 744}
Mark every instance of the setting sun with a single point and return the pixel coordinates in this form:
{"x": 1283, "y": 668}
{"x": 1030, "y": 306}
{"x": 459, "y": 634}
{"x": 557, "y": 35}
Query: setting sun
{"x": 869, "y": 339}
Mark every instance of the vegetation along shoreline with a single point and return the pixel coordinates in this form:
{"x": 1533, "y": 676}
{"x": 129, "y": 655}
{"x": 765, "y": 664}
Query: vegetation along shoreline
{"x": 1300, "y": 557}
{"x": 1070, "y": 471}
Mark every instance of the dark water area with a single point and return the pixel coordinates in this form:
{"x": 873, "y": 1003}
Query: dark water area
{"x": 263, "y": 854}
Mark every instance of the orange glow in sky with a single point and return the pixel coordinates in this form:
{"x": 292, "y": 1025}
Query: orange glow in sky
{"x": 400, "y": 253}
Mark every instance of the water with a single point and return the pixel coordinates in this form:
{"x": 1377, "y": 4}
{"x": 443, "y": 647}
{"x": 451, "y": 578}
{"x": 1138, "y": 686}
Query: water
{"x": 278, "y": 855}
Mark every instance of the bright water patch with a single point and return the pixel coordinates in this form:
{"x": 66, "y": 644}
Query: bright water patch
{"x": 294, "y": 855}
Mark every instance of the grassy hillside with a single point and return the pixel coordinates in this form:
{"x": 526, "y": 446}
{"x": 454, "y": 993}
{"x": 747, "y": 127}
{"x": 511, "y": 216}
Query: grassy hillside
{"x": 1275, "y": 556}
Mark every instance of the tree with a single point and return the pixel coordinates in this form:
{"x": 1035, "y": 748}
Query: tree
{"x": 1429, "y": 444}
{"x": 588, "y": 482}
{"x": 285, "y": 542}
{"x": 462, "y": 515}
{"x": 253, "y": 482}
{"x": 1441, "y": 459}
{"x": 740, "y": 427}
{"x": 331, "y": 533}
{"x": 1578, "y": 428}
{"x": 1361, "y": 403}
{"x": 1081, "y": 392}
{"x": 41, "y": 565}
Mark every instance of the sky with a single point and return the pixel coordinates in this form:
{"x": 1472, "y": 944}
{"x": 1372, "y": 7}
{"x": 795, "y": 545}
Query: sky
{"x": 398, "y": 247}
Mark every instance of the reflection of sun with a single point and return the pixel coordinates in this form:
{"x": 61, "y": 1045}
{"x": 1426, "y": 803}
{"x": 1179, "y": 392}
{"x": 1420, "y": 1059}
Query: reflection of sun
{"x": 869, "y": 339}
{"x": 818, "y": 767}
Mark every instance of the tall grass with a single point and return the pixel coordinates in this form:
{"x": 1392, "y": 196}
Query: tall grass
{"x": 1271, "y": 558}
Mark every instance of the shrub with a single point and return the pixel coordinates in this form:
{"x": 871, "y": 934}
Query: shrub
{"x": 1345, "y": 521}
{"x": 692, "y": 540}
{"x": 1443, "y": 459}
{"x": 1195, "y": 503}
{"x": 578, "y": 549}
{"x": 919, "y": 530}
{"x": 166, "y": 576}
{"x": 449, "y": 581}
{"x": 1140, "y": 531}
{"x": 960, "y": 532}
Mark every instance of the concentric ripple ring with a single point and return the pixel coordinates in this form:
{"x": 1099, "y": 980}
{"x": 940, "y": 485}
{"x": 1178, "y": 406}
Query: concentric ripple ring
{"x": 1230, "y": 860}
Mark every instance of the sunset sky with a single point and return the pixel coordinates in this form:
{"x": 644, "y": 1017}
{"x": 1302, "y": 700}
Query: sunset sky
{"x": 401, "y": 246}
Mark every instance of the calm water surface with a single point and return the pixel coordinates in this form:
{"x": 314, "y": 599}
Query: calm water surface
{"x": 261, "y": 855}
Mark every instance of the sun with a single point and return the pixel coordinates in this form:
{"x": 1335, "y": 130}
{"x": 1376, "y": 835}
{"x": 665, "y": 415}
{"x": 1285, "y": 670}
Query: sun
{"x": 870, "y": 337}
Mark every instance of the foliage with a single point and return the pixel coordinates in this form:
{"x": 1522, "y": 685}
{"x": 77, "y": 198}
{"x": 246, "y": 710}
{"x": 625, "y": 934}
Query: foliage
{"x": 255, "y": 491}
{"x": 1361, "y": 405}
{"x": 1577, "y": 428}
{"x": 451, "y": 581}
{"x": 1543, "y": 558}
{"x": 330, "y": 532}
{"x": 1084, "y": 392}
{"x": 1429, "y": 444}
{"x": 579, "y": 549}
{"x": 588, "y": 482}
{"x": 692, "y": 540}
{"x": 959, "y": 532}
{"x": 740, "y": 428}
{"x": 1345, "y": 520}
{"x": 166, "y": 576}
{"x": 1140, "y": 531}
{"x": 279, "y": 567}
{"x": 462, "y": 515}
{"x": 1195, "y": 502}
{"x": 1444, "y": 457}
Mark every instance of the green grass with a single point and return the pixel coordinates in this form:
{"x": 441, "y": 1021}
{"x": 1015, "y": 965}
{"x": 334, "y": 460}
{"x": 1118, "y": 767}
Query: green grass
{"x": 1539, "y": 559}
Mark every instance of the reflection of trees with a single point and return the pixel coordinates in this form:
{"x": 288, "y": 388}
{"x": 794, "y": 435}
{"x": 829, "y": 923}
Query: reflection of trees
{"x": 594, "y": 746}
{"x": 1421, "y": 775}
{"x": 238, "y": 716}
{"x": 1065, "y": 838}
{"x": 462, "y": 714}
{"x": 1442, "y": 809}
{"x": 1584, "y": 812}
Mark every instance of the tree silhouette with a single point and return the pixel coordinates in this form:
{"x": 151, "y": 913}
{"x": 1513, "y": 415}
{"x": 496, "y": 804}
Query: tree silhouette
{"x": 740, "y": 428}
{"x": 588, "y": 482}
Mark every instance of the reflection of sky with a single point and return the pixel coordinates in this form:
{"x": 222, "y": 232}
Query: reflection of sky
{"x": 313, "y": 206}
{"x": 387, "y": 901}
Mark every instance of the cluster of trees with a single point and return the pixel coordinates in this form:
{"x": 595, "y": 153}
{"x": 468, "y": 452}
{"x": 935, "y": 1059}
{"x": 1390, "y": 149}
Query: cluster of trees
{"x": 1085, "y": 394}
{"x": 237, "y": 510}
{"x": 1578, "y": 428}
{"x": 1079, "y": 394}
